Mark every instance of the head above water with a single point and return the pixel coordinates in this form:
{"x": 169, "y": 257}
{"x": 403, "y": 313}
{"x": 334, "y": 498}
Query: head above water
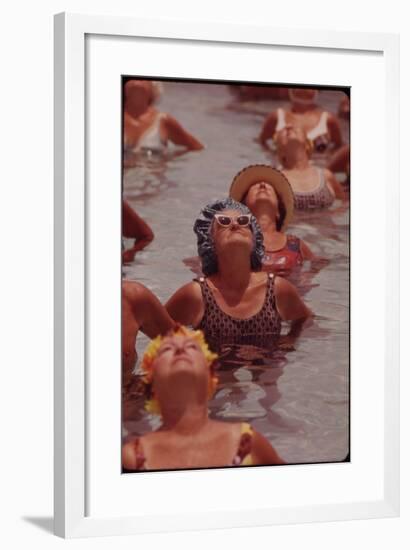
{"x": 303, "y": 96}
{"x": 203, "y": 227}
{"x": 140, "y": 94}
{"x": 164, "y": 354}
{"x": 241, "y": 189}
{"x": 291, "y": 139}
{"x": 262, "y": 200}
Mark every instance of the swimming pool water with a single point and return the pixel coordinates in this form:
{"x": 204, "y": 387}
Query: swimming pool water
{"x": 299, "y": 400}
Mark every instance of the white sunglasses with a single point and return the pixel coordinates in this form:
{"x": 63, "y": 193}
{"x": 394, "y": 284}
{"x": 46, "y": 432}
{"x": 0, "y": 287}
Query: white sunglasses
{"x": 225, "y": 221}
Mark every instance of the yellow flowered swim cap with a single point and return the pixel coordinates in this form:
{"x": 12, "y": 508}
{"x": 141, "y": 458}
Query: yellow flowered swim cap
{"x": 151, "y": 353}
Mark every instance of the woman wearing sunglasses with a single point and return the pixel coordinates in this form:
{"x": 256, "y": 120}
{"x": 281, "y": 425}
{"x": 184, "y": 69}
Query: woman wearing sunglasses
{"x": 236, "y": 302}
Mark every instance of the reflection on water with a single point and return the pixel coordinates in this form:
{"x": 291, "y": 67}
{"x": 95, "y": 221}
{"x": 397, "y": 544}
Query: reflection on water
{"x": 299, "y": 400}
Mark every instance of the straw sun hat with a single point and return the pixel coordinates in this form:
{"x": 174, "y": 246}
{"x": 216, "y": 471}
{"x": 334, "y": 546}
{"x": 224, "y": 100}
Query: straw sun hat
{"x": 262, "y": 172}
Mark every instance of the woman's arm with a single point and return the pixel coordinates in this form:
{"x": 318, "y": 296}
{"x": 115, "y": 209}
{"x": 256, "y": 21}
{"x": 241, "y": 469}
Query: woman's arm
{"x": 186, "y": 305}
{"x": 339, "y": 161}
{"x": 150, "y": 315}
{"x": 131, "y": 131}
{"x": 306, "y": 252}
{"x": 291, "y": 308}
{"x": 335, "y": 132}
{"x": 134, "y": 227}
{"x": 178, "y": 135}
{"x": 263, "y": 452}
{"x": 334, "y": 185}
{"x": 288, "y": 302}
{"x": 268, "y": 128}
{"x": 317, "y": 262}
{"x": 155, "y": 318}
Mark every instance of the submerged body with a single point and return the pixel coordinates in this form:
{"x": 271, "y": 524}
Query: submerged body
{"x": 314, "y": 188}
{"x": 269, "y": 196}
{"x": 181, "y": 380}
{"x": 308, "y": 194}
{"x": 147, "y": 129}
{"x": 220, "y": 445}
{"x": 247, "y": 391}
{"x": 236, "y": 300}
{"x": 321, "y": 127}
{"x": 261, "y": 328}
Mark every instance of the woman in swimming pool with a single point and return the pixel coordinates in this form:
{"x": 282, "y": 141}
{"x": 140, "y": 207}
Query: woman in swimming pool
{"x": 146, "y": 128}
{"x": 236, "y": 302}
{"x": 179, "y": 372}
{"x": 269, "y": 196}
{"x": 313, "y": 187}
{"x": 321, "y": 127}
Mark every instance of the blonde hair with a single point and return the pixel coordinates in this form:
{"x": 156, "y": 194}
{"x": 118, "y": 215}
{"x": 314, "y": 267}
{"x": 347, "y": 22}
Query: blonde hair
{"x": 151, "y": 352}
{"x": 309, "y": 147}
{"x": 152, "y": 89}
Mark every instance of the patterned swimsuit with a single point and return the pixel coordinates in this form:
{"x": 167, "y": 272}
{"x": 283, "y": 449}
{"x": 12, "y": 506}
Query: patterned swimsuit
{"x": 319, "y": 198}
{"x": 220, "y": 329}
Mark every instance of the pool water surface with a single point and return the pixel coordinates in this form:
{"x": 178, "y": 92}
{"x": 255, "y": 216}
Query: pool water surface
{"x": 299, "y": 400}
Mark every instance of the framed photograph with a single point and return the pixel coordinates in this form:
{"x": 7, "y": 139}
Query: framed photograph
{"x": 163, "y": 132}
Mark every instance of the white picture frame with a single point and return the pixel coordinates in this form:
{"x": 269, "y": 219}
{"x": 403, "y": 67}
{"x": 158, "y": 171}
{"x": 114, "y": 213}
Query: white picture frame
{"x": 72, "y": 433}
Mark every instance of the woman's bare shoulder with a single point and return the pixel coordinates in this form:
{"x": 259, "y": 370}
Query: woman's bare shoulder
{"x": 263, "y": 452}
{"x": 134, "y": 290}
{"x": 191, "y": 290}
{"x": 259, "y": 278}
{"x": 283, "y": 287}
{"x": 186, "y": 305}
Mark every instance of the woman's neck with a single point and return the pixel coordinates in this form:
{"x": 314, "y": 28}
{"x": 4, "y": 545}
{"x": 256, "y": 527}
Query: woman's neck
{"x": 303, "y": 107}
{"x": 136, "y": 112}
{"x": 267, "y": 217}
{"x": 272, "y": 237}
{"x": 295, "y": 158}
{"x": 234, "y": 271}
{"x": 184, "y": 419}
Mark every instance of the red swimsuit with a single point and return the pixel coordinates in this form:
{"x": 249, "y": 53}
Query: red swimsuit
{"x": 283, "y": 261}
